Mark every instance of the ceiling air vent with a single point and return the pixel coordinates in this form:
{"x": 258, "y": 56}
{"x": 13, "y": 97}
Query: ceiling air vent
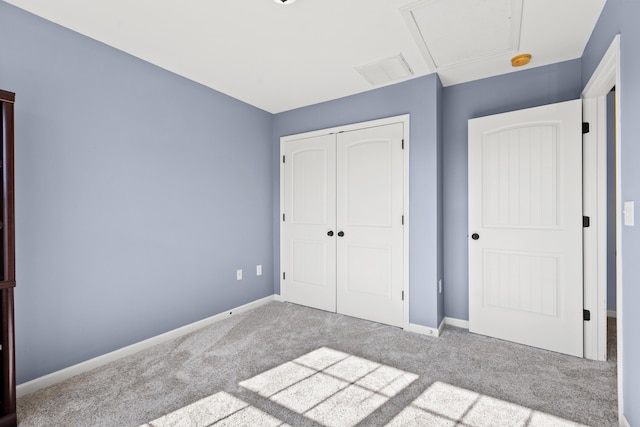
{"x": 386, "y": 70}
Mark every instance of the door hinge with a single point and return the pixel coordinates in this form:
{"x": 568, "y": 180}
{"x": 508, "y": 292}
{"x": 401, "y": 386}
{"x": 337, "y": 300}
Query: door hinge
{"x": 402, "y": 295}
{"x": 283, "y": 217}
{"x": 585, "y": 127}
{"x": 586, "y": 315}
{"x": 402, "y": 219}
{"x": 282, "y": 159}
{"x": 586, "y": 221}
{"x": 284, "y": 275}
{"x": 403, "y": 144}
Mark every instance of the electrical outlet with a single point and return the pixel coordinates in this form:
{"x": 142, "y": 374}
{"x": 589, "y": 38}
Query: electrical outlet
{"x": 440, "y": 286}
{"x": 258, "y": 270}
{"x": 239, "y": 274}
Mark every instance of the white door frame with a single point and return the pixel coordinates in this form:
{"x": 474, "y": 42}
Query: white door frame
{"x": 606, "y": 76}
{"x": 404, "y": 119}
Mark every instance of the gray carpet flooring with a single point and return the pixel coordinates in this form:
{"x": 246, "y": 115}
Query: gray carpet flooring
{"x": 283, "y": 364}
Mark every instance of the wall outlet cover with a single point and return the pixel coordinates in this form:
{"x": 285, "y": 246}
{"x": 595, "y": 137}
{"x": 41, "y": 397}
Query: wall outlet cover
{"x": 629, "y": 214}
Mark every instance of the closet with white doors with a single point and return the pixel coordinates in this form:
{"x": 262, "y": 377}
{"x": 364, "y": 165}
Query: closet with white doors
{"x": 343, "y": 216}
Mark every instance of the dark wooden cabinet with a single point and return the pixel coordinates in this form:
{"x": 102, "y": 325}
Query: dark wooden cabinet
{"x": 7, "y": 264}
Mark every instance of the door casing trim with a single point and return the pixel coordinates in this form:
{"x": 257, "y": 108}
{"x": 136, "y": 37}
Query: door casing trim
{"x": 606, "y": 75}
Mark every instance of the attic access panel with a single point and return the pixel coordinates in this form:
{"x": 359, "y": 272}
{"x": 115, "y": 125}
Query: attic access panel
{"x": 451, "y": 32}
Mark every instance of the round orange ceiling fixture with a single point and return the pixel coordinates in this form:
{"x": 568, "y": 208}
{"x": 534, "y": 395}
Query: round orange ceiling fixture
{"x": 520, "y": 60}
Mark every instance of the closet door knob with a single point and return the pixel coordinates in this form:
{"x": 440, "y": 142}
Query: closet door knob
{"x": 330, "y": 233}
{"x": 475, "y": 236}
{"x": 340, "y": 233}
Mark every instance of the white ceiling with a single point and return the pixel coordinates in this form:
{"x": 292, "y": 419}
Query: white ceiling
{"x": 279, "y": 57}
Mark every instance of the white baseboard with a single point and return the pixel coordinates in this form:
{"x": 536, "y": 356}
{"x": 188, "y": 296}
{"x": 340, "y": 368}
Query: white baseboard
{"x": 424, "y": 330}
{"x": 624, "y": 422}
{"x": 63, "y": 374}
{"x": 277, "y": 297}
{"x": 456, "y": 322}
{"x": 611, "y": 313}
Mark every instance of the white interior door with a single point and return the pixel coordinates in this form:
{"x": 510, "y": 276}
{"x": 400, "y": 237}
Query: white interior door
{"x": 309, "y": 253}
{"x": 525, "y": 227}
{"x": 369, "y": 221}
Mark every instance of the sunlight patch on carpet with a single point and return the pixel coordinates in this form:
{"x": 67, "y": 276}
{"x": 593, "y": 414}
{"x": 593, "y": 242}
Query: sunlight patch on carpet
{"x": 446, "y": 405}
{"x": 220, "y": 409}
{"x": 331, "y": 387}
{"x": 337, "y": 389}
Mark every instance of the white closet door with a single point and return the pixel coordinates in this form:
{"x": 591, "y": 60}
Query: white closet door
{"x": 310, "y": 215}
{"x": 525, "y": 224}
{"x": 369, "y": 215}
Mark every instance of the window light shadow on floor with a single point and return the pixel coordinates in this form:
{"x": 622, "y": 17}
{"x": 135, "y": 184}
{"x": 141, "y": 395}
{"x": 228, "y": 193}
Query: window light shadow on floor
{"x": 334, "y": 388}
{"x": 331, "y": 387}
{"x": 220, "y": 409}
{"x": 446, "y": 405}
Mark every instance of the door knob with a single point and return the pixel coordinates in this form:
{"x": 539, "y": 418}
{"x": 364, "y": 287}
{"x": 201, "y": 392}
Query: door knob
{"x": 330, "y": 233}
{"x": 475, "y": 236}
{"x": 340, "y": 233}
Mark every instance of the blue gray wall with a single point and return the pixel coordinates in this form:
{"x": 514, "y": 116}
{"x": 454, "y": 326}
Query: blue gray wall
{"x": 524, "y": 89}
{"x": 138, "y": 195}
{"x": 620, "y": 17}
{"x": 418, "y": 97}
